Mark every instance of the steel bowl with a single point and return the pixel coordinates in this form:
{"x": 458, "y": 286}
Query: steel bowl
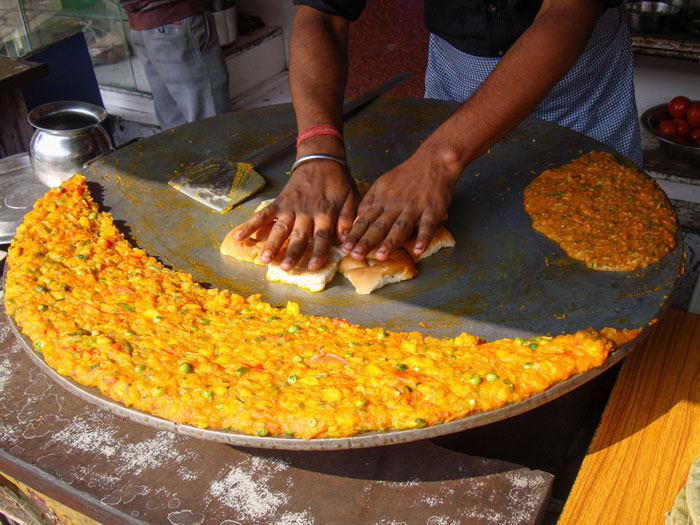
{"x": 685, "y": 152}
{"x": 650, "y": 17}
{"x": 67, "y": 134}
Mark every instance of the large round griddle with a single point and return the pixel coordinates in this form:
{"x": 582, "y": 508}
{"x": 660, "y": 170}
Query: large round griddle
{"x": 503, "y": 279}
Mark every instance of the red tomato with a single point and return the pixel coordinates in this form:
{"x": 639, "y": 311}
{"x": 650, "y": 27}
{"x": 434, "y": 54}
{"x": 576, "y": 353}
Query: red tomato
{"x": 693, "y": 115}
{"x": 679, "y": 138}
{"x": 694, "y": 136}
{"x": 678, "y": 106}
{"x": 682, "y": 127}
{"x": 666, "y": 128}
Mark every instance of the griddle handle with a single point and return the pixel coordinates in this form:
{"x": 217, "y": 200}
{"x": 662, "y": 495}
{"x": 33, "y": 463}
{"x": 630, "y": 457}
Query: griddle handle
{"x": 110, "y": 151}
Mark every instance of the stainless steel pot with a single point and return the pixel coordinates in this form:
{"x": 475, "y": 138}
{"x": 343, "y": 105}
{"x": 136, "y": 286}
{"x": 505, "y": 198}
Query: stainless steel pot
{"x": 67, "y": 134}
{"x": 650, "y": 17}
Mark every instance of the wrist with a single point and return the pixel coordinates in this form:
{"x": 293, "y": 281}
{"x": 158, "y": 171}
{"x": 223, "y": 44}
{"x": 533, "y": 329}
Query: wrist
{"x": 322, "y": 144}
{"x": 446, "y": 161}
{"x": 319, "y": 156}
{"x": 319, "y": 130}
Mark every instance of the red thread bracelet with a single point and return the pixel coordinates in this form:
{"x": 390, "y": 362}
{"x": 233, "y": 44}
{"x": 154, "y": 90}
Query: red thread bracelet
{"x": 317, "y": 131}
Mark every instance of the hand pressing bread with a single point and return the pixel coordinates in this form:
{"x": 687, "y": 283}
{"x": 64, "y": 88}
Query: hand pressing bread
{"x": 366, "y": 275}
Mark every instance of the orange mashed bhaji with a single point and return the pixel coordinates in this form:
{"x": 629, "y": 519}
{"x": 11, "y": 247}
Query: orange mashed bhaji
{"x": 108, "y": 315}
{"x": 603, "y": 213}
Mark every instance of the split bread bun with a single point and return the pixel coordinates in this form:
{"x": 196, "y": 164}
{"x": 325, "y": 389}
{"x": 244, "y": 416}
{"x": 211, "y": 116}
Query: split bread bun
{"x": 247, "y": 250}
{"x": 442, "y": 239}
{"x": 312, "y": 280}
{"x": 371, "y": 274}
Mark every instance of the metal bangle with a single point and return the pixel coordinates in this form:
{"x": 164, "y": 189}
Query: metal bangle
{"x": 314, "y": 156}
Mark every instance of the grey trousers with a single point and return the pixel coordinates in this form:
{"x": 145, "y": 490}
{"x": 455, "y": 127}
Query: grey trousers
{"x": 185, "y": 68}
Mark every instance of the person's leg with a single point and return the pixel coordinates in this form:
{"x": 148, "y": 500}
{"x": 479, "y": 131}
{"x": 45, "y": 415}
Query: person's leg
{"x": 189, "y": 60}
{"x": 217, "y": 71}
{"x": 167, "y": 112}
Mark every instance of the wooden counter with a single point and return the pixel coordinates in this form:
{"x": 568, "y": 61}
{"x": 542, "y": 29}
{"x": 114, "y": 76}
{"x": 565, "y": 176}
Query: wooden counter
{"x": 649, "y": 434}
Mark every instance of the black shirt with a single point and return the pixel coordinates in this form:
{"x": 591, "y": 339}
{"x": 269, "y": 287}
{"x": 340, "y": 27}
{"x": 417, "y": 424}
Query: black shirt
{"x": 477, "y": 27}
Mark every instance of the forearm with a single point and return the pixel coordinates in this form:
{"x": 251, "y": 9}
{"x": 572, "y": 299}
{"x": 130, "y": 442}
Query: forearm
{"x": 523, "y": 77}
{"x": 318, "y": 74}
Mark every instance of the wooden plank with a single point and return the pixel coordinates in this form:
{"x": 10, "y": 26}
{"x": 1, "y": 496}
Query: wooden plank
{"x": 649, "y": 434}
{"x": 14, "y": 72}
{"x": 15, "y": 131}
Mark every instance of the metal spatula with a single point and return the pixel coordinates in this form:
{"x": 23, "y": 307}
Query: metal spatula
{"x": 219, "y": 183}
{"x": 222, "y": 183}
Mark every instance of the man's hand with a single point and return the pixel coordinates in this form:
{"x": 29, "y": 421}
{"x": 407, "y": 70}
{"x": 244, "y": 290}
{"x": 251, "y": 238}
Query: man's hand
{"x": 319, "y": 196}
{"x": 416, "y": 193}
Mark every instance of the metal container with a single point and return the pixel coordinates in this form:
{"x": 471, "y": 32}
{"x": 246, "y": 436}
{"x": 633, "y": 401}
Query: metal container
{"x": 19, "y": 189}
{"x": 67, "y": 134}
{"x": 650, "y": 17}
{"x": 684, "y": 152}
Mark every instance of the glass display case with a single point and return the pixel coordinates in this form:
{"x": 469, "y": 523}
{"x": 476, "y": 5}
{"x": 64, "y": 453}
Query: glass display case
{"x": 29, "y": 25}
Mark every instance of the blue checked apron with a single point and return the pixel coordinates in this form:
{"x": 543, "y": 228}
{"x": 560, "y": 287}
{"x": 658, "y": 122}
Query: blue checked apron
{"x": 596, "y": 96}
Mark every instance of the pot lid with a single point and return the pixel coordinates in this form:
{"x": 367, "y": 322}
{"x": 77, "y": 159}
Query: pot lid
{"x": 19, "y": 189}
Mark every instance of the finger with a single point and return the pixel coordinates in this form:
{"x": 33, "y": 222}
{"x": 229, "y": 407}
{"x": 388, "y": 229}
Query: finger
{"x": 257, "y": 221}
{"x": 426, "y": 230}
{"x": 375, "y": 233}
{"x": 367, "y": 202}
{"x": 346, "y": 216}
{"x": 298, "y": 242}
{"x": 278, "y": 235}
{"x": 359, "y": 227}
{"x": 399, "y": 232}
{"x": 322, "y": 242}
